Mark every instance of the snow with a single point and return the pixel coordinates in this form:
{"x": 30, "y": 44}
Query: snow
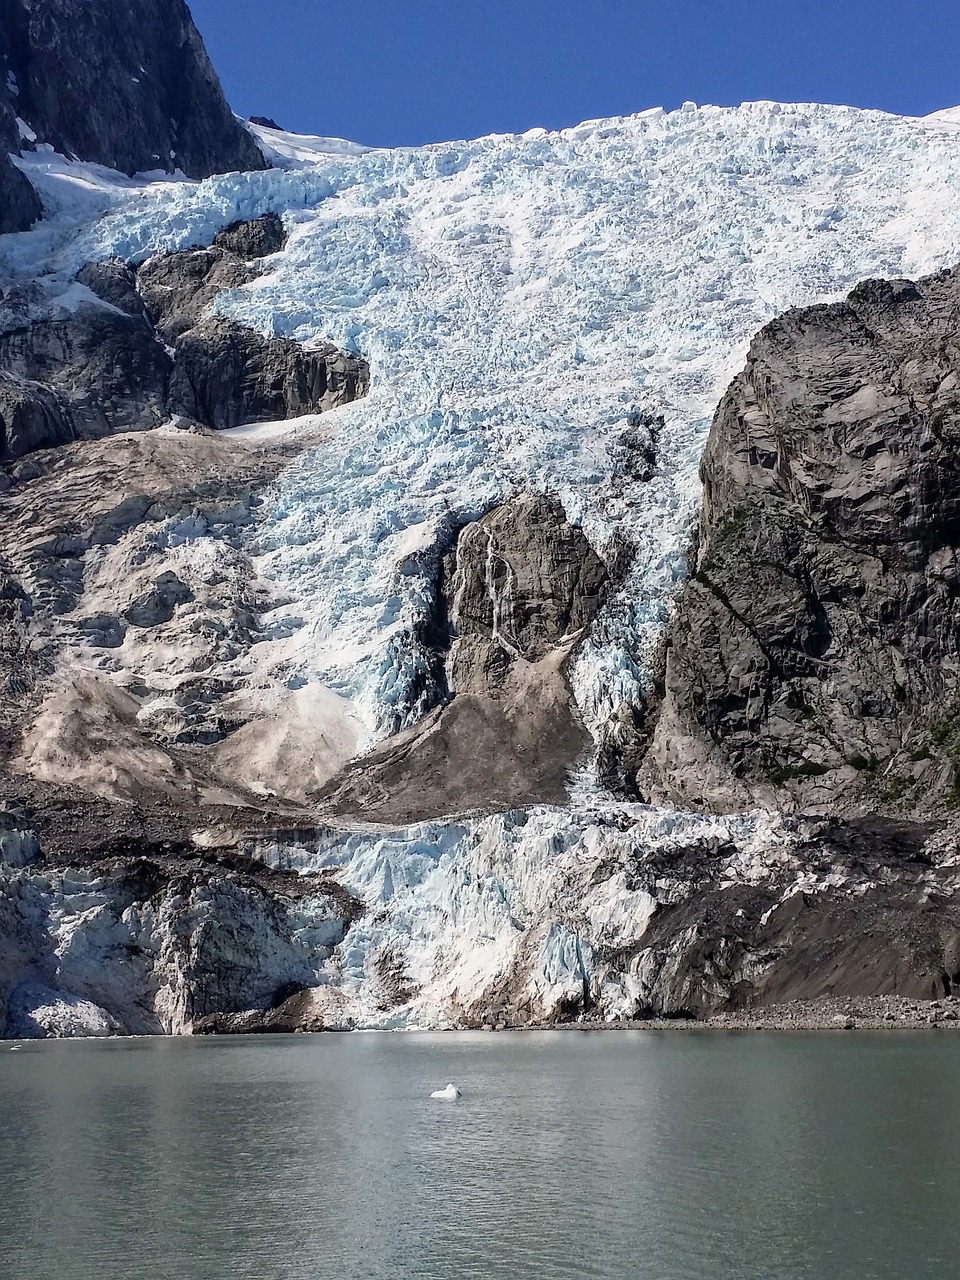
{"x": 298, "y": 150}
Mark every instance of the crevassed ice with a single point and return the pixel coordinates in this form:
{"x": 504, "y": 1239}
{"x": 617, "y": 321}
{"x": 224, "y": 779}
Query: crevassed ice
{"x": 462, "y": 907}
{"x": 517, "y": 297}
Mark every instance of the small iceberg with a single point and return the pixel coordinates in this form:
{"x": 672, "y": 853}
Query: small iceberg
{"x": 450, "y": 1094}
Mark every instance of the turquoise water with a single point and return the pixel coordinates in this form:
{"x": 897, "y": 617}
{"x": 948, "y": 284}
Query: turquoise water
{"x": 678, "y": 1156}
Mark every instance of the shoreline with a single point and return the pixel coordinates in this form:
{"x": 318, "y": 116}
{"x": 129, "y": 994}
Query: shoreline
{"x": 831, "y": 1013}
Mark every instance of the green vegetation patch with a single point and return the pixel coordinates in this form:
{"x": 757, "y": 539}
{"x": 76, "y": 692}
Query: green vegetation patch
{"x": 788, "y": 773}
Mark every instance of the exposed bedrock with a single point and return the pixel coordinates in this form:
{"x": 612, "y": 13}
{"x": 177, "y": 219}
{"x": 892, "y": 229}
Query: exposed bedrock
{"x": 19, "y": 204}
{"x": 814, "y": 658}
{"x": 179, "y": 287}
{"x": 124, "y": 83}
{"x": 517, "y": 591}
{"x": 124, "y": 349}
{"x": 102, "y": 364}
{"x": 32, "y": 416}
{"x": 225, "y": 375}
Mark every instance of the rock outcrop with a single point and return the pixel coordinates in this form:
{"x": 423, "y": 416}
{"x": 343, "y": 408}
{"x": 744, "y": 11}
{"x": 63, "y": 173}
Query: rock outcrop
{"x": 19, "y": 204}
{"x": 225, "y": 375}
{"x": 102, "y": 364}
{"x": 516, "y": 594}
{"x": 126, "y": 349}
{"x": 124, "y": 83}
{"x": 814, "y": 660}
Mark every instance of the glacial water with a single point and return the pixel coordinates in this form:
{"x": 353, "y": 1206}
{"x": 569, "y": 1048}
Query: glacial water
{"x": 679, "y": 1156}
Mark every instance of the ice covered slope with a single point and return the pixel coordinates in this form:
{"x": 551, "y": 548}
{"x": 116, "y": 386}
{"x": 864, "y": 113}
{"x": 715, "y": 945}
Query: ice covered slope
{"x": 517, "y": 298}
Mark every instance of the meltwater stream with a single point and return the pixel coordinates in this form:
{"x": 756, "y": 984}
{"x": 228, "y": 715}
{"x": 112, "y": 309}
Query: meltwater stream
{"x": 685, "y": 1156}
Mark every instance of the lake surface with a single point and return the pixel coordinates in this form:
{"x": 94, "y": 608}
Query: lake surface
{"x": 677, "y": 1156}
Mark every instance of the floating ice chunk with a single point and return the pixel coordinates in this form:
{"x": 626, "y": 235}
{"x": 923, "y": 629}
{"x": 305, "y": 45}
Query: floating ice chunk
{"x": 450, "y": 1094}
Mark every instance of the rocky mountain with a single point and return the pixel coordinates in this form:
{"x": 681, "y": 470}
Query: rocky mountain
{"x": 355, "y": 668}
{"x": 20, "y": 205}
{"x": 126, "y": 85}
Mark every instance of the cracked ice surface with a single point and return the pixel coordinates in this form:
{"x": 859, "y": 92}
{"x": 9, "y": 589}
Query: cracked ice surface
{"x": 528, "y": 900}
{"x": 517, "y": 297}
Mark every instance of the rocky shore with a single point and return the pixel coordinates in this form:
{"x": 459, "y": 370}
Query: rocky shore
{"x": 832, "y": 1013}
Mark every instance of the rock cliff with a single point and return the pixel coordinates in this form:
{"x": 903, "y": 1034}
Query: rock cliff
{"x": 127, "y": 348}
{"x": 124, "y": 83}
{"x": 516, "y": 595}
{"x": 813, "y": 658}
{"x": 19, "y": 204}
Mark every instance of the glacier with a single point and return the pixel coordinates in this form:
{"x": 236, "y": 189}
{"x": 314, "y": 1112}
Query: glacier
{"x": 519, "y": 298}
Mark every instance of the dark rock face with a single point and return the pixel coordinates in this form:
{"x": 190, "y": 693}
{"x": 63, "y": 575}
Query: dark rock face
{"x": 139, "y": 346}
{"x": 226, "y": 374}
{"x": 19, "y": 204}
{"x": 178, "y": 287}
{"x": 31, "y": 417}
{"x": 814, "y": 659}
{"x": 520, "y": 582}
{"x": 254, "y": 239}
{"x": 518, "y": 589}
{"x": 718, "y": 946}
{"x": 125, "y": 83}
{"x": 103, "y": 362}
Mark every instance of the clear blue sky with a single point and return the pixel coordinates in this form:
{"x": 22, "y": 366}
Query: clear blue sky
{"x": 393, "y": 72}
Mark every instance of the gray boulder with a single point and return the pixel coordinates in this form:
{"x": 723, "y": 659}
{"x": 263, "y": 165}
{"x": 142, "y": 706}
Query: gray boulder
{"x": 158, "y": 605}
